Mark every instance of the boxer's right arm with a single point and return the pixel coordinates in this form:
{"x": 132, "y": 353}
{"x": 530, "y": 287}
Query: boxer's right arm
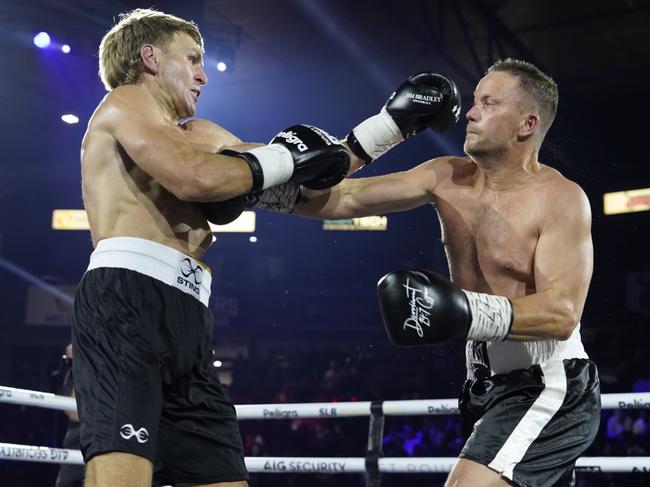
{"x": 301, "y": 154}
{"x": 358, "y": 197}
{"x": 131, "y": 116}
{"x": 424, "y": 100}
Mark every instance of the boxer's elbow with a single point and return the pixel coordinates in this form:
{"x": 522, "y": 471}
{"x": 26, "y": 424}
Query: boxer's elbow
{"x": 196, "y": 186}
{"x": 188, "y": 187}
{"x": 353, "y": 207}
{"x": 197, "y": 191}
{"x": 559, "y": 312}
{"x": 566, "y": 318}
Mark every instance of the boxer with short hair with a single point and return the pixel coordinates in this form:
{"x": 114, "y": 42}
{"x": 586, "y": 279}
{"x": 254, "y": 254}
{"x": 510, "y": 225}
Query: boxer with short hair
{"x": 518, "y": 242}
{"x": 147, "y": 392}
{"x": 149, "y": 400}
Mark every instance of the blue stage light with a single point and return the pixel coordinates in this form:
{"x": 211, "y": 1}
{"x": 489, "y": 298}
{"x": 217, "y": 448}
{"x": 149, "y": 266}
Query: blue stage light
{"x": 42, "y": 40}
{"x": 70, "y": 118}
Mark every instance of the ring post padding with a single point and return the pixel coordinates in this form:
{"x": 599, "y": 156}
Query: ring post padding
{"x": 375, "y": 437}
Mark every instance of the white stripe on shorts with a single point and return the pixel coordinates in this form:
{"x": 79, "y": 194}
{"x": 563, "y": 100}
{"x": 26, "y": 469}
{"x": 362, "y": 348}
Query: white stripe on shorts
{"x": 538, "y": 416}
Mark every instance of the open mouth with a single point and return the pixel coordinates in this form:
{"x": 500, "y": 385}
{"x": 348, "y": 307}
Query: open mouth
{"x": 196, "y": 93}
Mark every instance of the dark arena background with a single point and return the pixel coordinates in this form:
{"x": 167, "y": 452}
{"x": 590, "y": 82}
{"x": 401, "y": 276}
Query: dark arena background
{"x": 294, "y": 299}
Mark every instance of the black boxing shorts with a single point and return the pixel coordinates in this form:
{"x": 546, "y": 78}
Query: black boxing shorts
{"x": 531, "y": 425}
{"x": 143, "y": 373}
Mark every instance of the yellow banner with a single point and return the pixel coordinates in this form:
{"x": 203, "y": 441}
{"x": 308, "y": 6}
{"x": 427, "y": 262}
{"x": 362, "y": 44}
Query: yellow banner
{"x": 626, "y": 201}
{"x": 78, "y": 220}
{"x": 69, "y": 220}
{"x": 375, "y": 223}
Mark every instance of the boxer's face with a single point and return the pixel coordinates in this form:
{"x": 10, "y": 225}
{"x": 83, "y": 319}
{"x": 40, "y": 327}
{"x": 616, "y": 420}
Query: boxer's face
{"x": 182, "y": 73}
{"x": 494, "y": 119}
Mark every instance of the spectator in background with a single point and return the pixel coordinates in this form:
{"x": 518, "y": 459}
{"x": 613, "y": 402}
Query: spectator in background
{"x": 69, "y": 475}
{"x": 640, "y": 425}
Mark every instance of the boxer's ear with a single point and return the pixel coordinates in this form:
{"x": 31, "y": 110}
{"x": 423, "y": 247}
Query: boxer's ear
{"x": 149, "y": 55}
{"x": 528, "y": 126}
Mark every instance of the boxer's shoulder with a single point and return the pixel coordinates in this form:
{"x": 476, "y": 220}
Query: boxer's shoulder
{"x": 453, "y": 169}
{"x": 557, "y": 189}
{"x": 127, "y": 103}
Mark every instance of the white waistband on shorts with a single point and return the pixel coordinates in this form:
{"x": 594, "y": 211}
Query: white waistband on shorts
{"x": 155, "y": 260}
{"x": 506, "y": 356}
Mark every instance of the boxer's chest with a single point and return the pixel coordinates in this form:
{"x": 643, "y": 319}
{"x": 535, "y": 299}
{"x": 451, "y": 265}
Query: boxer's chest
{"x": 490, "y": 235}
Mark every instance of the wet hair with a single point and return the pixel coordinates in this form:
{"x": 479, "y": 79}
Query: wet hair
{"x": 119, "y": 51}
{"x": 533, "y": 81}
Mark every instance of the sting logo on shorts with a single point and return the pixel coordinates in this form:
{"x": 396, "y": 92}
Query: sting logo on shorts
{"x": 188, "y": 270}
{"x": 127, "y": 432}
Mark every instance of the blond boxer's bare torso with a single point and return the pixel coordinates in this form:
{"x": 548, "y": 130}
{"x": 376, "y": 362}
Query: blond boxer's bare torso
{"x": 123, "y": 199}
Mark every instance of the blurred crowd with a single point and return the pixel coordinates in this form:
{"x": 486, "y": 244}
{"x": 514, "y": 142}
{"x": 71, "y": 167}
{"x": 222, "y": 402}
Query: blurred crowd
{"x": 321, "y": 373}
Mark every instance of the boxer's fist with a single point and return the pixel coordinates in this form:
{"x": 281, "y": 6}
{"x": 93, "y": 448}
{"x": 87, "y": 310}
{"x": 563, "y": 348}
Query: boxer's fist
{"x": 223, "y": 212}
{"x": 420, "y": 307}
{"x": 320, "y": 160}
{"x": 423, "y": 100}
{"x": 299, "y": 154}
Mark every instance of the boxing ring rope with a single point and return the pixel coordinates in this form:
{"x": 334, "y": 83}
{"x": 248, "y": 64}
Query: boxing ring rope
{"x": 418, "y": 407}
{"x": 327, "y": 465}
{"x": 373, "y": 464}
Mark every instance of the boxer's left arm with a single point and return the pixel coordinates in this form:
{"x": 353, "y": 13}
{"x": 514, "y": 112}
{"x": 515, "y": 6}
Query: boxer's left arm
{"x": 563, "y": 266}
{"x": 358, "y": 197}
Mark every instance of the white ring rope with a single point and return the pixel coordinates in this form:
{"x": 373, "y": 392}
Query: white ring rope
{"x": 46, "y": 400}
{"x": 9, "y": 451}
{"x": 328, "y": 465}
{"x": 424, "y": 407}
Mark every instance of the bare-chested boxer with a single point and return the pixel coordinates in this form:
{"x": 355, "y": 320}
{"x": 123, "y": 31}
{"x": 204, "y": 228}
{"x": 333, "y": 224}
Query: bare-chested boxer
{"x": 146, "y": 390}
{"x": 518, "y": 241}
{"x": 149, "y": 401}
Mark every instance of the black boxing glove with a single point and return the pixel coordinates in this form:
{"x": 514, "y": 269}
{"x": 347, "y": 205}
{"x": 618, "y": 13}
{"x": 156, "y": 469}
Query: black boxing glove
{"x": 301, "y": 154}
{"x": 223, "y": 212}
{"x": 420, "y": 307}
{"x": 424, "y": 100}
{"x": 320, "y": 160}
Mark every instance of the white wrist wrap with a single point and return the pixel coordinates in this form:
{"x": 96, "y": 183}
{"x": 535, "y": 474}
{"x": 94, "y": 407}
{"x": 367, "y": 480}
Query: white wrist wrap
{"x": 491, "y": 317}
{"x": 378, "y": 134}
{"x": 276, "y": 163}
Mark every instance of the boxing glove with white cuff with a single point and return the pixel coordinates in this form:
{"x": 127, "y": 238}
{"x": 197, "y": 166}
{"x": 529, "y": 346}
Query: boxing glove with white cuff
{"x": 424, "y": 100}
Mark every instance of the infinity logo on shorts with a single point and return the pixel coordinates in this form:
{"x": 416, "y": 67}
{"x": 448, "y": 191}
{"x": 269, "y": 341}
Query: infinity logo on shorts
{"x": 187, "y": 270}
{"x": 127, "y": 432}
